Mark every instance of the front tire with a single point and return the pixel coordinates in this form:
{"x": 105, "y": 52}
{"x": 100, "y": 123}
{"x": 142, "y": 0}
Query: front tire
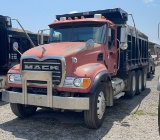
{"x": 23, "y": 111}
{"x": 20, "y": 110}
{"x": 95, "y": 115}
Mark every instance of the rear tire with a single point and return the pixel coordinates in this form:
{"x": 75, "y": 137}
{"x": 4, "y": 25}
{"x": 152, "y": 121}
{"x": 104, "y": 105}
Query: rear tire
{"x": 95, "y": 115}
{"x": 138, "y": 82}
{"x": 132, "y": 82}
{"x": 144, "y": 79}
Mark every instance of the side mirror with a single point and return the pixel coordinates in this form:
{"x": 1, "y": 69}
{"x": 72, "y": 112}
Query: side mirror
{"x": 15, "y": 47}
{"x": 89, "y": 44}
{"x": 158, "y": 85}
{"x": 43, "y": 36}
{"x": 123, "y": 39}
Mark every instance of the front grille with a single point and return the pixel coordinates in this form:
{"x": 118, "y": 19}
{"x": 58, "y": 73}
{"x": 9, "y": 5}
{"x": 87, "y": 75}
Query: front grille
{"x": 53, "y": 65}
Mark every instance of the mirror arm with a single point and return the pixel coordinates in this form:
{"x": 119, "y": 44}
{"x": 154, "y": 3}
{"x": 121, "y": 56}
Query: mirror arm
{"x": 18, "y": 51}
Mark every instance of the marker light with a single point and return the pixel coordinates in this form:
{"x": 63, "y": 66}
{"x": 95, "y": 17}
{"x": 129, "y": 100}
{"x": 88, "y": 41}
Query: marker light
{"x": 62, "y": 18}
{"x": 82, "y": 17}
{"x": 69, "y": 18}
{"x": 97, "y": 15}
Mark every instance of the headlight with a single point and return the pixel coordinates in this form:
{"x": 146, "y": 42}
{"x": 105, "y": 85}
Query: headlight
{"x": 11, "y": 78}
{"x": 77, "y": 82}
{"x": 14, "y": 78}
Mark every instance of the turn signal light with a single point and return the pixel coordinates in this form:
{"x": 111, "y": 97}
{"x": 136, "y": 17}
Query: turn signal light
{"x": 86, "y": 83}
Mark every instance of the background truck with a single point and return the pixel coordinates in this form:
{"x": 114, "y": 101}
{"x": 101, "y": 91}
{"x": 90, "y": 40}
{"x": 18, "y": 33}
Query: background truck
{"x": 93, "y": 58}
{"x": 154, "y": 51}
{"x": 8, "y": 57}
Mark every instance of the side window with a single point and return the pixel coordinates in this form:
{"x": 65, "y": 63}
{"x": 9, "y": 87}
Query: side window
{"x": 111, "y": 38}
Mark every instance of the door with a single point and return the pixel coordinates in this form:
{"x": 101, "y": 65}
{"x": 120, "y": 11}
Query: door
{"x": 112, "y": 52}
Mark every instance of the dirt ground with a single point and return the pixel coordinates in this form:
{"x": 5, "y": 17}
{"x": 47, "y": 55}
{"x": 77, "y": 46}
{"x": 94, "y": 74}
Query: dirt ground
{"x": 128, "y": 119}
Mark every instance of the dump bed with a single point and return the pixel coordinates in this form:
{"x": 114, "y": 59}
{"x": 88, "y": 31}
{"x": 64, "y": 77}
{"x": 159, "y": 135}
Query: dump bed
{"x": 136, "y": 55}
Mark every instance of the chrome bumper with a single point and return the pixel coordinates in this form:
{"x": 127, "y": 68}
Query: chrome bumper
{"x": 72, "y": 103}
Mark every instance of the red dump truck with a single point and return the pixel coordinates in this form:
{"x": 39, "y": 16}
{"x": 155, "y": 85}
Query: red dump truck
{"x": 92, "y": 59}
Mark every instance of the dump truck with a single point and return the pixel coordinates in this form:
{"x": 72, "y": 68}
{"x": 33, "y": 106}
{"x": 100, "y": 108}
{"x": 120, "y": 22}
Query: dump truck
{"x": 8, "y": 57}
{"x": 92, "y": 59}
{"x": 154, "y": 51}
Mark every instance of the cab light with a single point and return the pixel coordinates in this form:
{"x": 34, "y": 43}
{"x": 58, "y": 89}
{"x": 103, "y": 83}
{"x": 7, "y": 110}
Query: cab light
{"x": 69, "y": 18}
{"x": 75, "y": 18}
{"x": 82, "y": 17}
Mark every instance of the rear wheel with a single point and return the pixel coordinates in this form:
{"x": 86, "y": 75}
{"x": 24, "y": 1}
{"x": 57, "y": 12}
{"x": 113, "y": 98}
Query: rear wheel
{"x": 144, "y": 79}
{"x": 138, "y": 82}
{"x": 95, "y": 115}
{"x": 132, "y": 82}
{"x": 153, "y": 71}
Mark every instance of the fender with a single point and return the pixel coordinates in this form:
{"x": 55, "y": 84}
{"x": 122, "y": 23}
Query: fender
{"x": 99, "y": 77}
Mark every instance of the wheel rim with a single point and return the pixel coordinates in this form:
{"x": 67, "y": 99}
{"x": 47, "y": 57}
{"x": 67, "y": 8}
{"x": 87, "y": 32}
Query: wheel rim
{"x": 134, "y": 83}
{"x": 140, "y": 82}
{"x": 100, "y": 105}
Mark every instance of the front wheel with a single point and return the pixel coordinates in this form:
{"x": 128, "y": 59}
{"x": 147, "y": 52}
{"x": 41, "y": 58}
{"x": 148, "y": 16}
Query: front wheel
{"x": 23, "y": 111}
{"x": 95, "y": 115}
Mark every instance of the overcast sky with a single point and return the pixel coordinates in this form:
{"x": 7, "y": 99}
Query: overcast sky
{"x": 37, "y": 14}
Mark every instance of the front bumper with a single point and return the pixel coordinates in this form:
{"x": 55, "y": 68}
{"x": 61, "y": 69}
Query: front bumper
{"x": 71, "y": 103}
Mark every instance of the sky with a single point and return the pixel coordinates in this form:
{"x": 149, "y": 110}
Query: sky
{"x": 36, "y": 15}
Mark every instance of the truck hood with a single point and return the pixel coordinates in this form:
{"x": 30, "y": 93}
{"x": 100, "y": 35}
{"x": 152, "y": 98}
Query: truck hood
{"x": 58, "y": 49}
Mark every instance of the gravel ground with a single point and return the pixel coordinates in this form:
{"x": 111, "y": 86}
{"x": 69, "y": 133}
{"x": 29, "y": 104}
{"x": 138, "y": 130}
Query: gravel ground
{"x": 134, "y": 119}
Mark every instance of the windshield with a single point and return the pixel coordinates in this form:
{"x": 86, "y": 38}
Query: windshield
{"x": 76, "y": 32}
